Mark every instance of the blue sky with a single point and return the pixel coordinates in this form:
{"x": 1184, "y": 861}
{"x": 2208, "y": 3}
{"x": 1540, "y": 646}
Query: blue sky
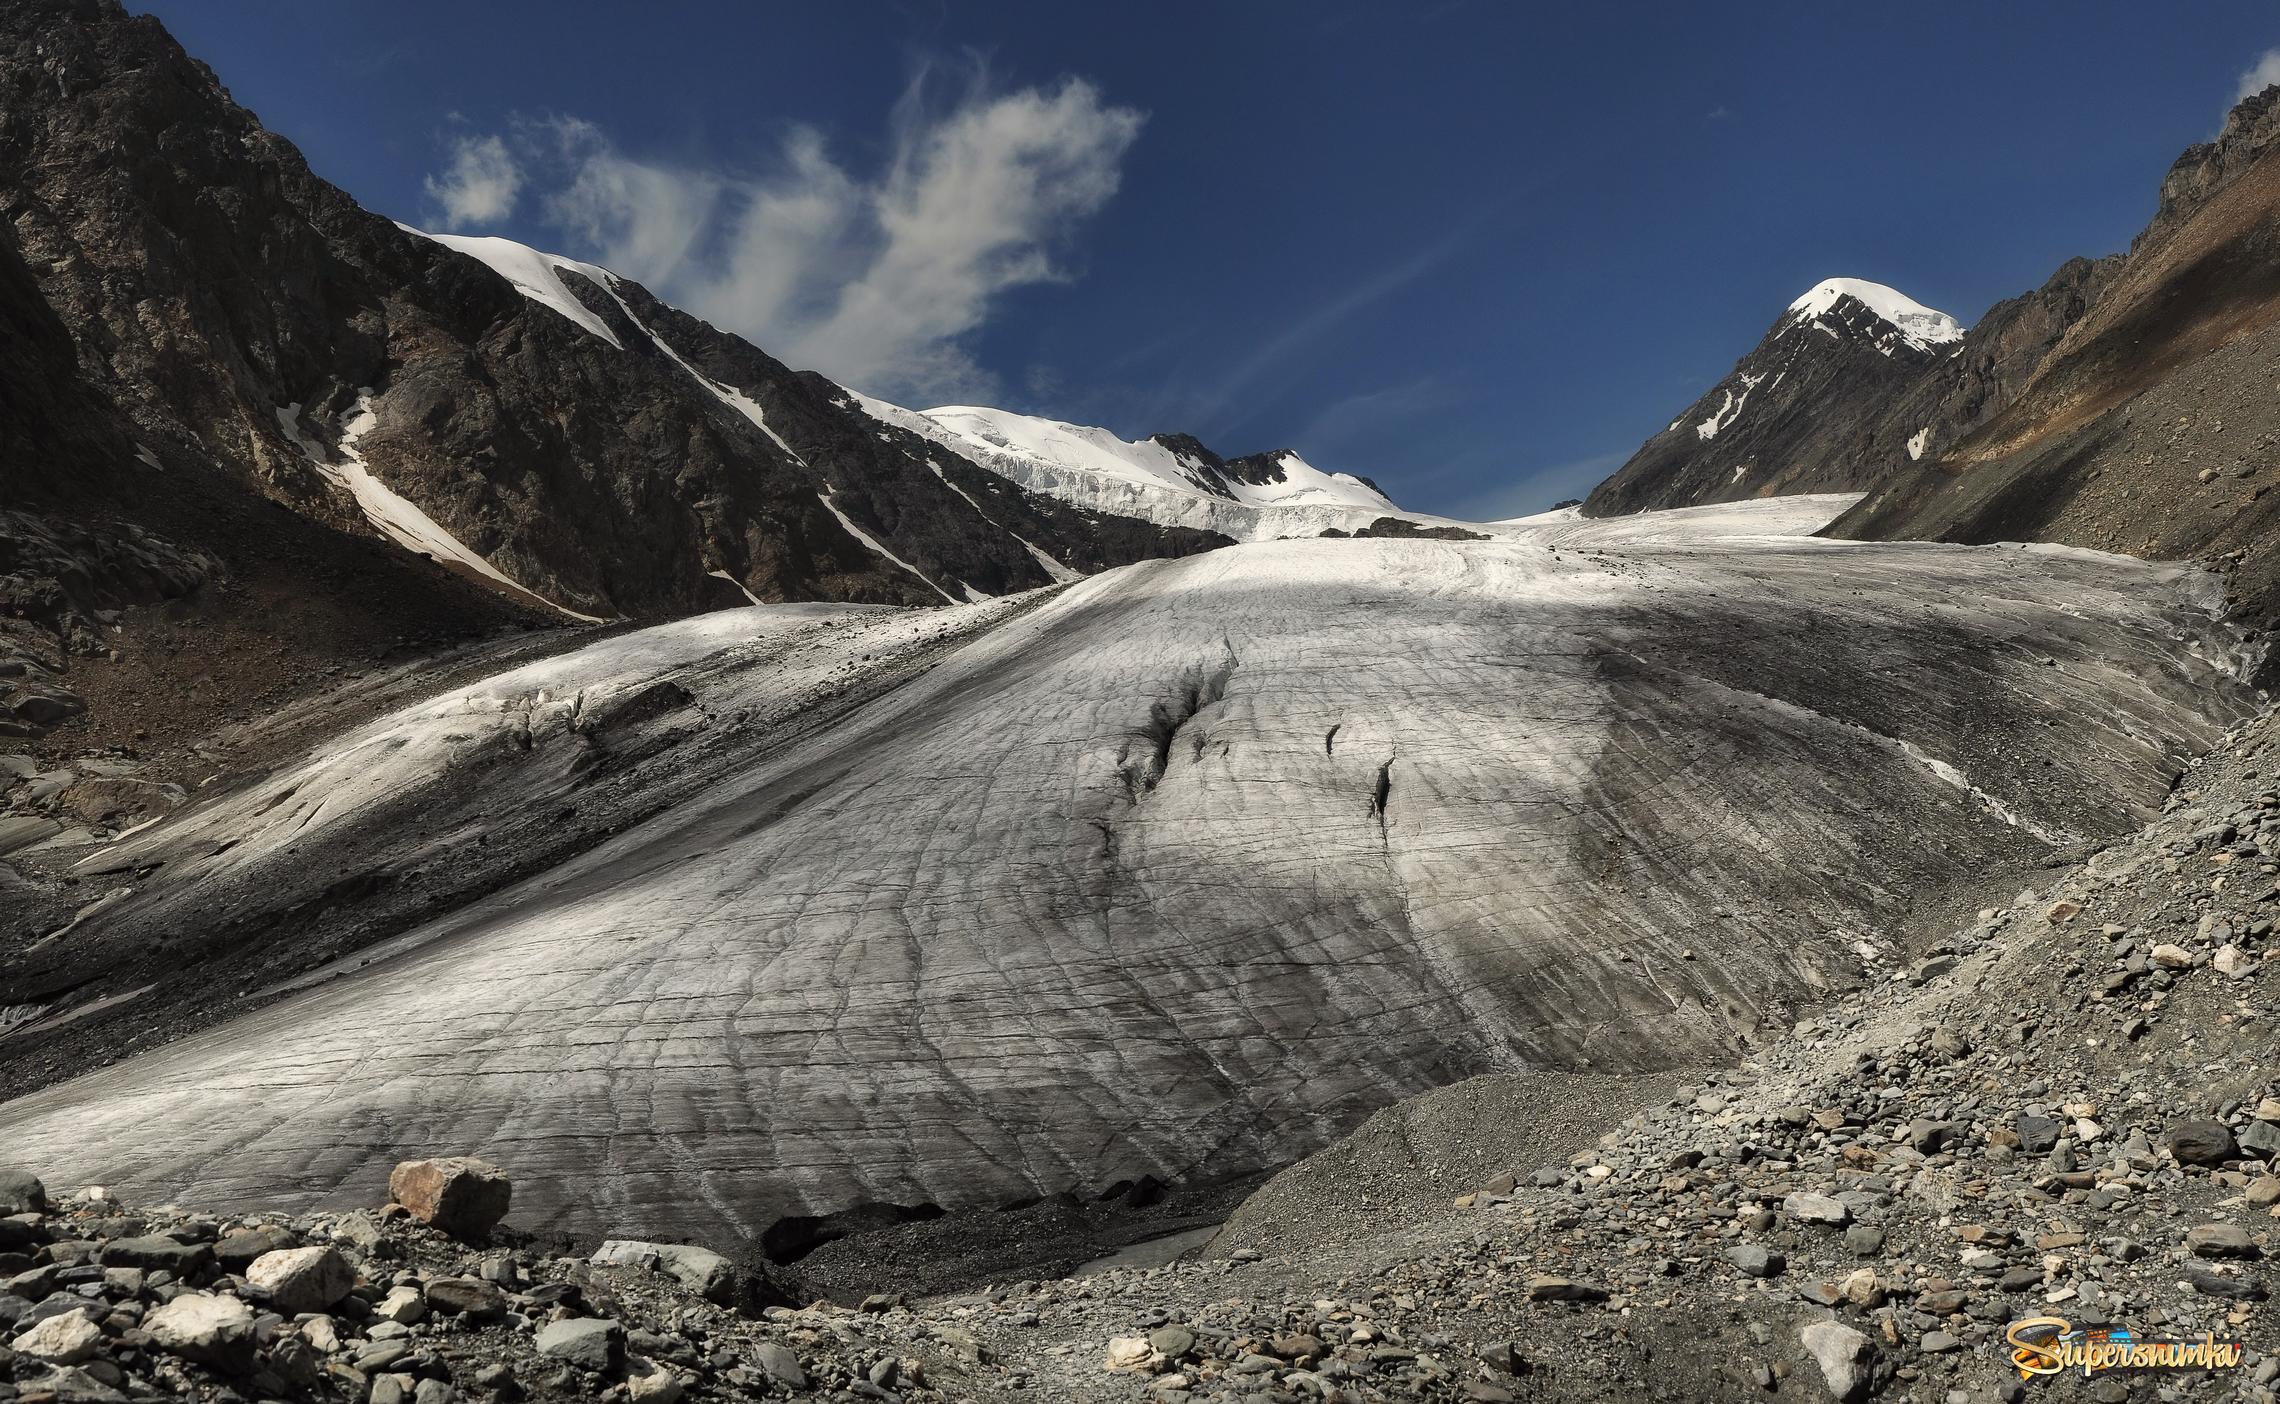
{"x": 1477, "y": 251}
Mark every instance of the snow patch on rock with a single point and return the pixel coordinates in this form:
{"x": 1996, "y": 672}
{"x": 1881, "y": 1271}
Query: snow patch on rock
{"x": 396, "y": 516}
{"x": 537, "y": 276}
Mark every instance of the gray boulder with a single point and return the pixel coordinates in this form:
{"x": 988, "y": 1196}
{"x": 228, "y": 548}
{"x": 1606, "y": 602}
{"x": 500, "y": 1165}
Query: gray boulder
{"x": 701, "y": 1270}
{"x": 206, "y": 1327}
{"x": 21, "y": 1192}
{"x": 2200, "y": 1142}
{"x": 590, "y": 1343}
{"x": 297, "y": 1280}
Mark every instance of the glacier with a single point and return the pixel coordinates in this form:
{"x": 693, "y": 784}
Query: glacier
{"x": 1178, "y": 870}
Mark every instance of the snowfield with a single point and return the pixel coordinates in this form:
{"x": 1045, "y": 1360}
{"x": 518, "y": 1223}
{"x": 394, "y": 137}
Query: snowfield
{"x": 1094, "y": 469}
{"x": 1179, "y": 870}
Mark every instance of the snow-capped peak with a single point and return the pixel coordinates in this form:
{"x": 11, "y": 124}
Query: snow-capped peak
{"x": 1920, "y": 326}
{"x": 995, "y": 438}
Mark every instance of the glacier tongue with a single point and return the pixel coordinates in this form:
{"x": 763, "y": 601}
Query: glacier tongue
{"x": 1177, "y": 871}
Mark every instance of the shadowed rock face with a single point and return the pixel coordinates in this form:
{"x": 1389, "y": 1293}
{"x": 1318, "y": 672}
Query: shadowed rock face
{"x": 1783, "y": 420}
{"x": 596, "y": 452}
{"x": 1179, "y": 872}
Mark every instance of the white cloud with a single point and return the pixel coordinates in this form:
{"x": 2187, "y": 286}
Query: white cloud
{"x": 872, "y": 279}
{"x": 480, "y": 184}
{"x": 2260, "y": 75}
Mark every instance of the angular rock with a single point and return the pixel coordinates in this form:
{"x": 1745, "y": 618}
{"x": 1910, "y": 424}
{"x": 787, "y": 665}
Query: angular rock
{"x": 238, "y": 1248}
{"x": 1863, "y": 1288}
{"x": 1750, "y": 1260}
{"x": 156, "y": 1251}
{"x": 21, "y": 1192}
{"x": 467, "y": 1296}
{"x": 460, "y": 1195}
{"x": 701, "y": 1270}
{"x": 61, "y": 1340}
{"x": 1843, "y": 1355}
{"x": 590, "y": 1343}
{"x": 68, "y": 1384}
{"x": 2200, "y": 1142}
{"x": 1817, "y": 1209}
{"x": 778, "y": 1363}
{"x": 298, "y": 1280}
{"x": 206, "y": 1327}
{"x": 2209, "y": 1282}
{"x": 1562, "y": 1289}
{"x": 2220, "y": 1241}
{"x": 2260, "y": 1139}
{"x": 402, "y": 1304}
{"x": 2019, "y": 1279}
{"x": 1932, "y": 1137}
{"x": 2037, "y": 1134}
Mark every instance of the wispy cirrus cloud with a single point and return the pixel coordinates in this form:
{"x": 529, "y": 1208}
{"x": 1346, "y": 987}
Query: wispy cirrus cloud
{"x": 874, "y": 278}
{"x": 1304, "y": 336}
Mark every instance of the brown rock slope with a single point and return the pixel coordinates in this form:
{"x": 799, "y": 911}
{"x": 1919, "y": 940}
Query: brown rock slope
{"x": 2151, "y": 426}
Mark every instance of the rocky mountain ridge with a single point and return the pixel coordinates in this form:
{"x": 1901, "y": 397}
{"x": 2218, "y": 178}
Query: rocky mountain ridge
{"x": 1780, "y": 419}
{"x": 207, "y": 332}
{"x": 2147, "y": 427}
{"x": 2123, "y": 406}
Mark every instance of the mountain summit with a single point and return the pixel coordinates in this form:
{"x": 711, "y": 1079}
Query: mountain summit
{"x": 1836, "y": 355}
{"x": 2124, "y": 405}
{"x": 1834, "y": 304}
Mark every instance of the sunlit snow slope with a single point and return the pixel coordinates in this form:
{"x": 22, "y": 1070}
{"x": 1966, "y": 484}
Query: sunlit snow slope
{"x": 1179, "y": 871}
{"x": 1271, "y": 495}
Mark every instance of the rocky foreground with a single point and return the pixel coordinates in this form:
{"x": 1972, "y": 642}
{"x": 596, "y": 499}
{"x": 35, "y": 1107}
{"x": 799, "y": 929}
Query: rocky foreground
{"x": 2066, "y": 1108}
